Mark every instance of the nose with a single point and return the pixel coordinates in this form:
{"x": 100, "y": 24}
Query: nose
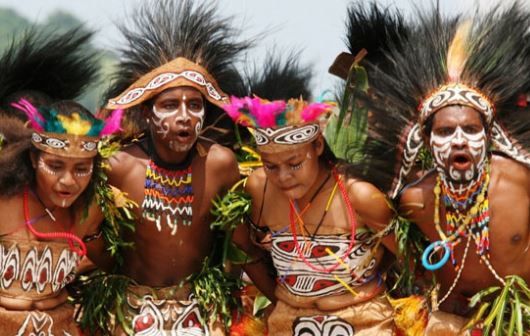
{"x": 183, "y": 115}
{"x": 459, "y": 140}
{"x": 284, "y": 175}
{"x": 67, "y": 178}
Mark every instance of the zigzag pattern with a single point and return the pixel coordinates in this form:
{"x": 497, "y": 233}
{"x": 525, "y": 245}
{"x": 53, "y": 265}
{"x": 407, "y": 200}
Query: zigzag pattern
{"x": 168, "y": 197}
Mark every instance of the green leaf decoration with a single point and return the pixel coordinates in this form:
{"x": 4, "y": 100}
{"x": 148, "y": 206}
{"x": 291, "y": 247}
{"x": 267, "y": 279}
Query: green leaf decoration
{"x": 508, "y": 313}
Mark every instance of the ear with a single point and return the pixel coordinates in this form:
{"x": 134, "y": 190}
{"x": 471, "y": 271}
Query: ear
{"x": 319, "y": 144}
{"x": 33, "y": 157}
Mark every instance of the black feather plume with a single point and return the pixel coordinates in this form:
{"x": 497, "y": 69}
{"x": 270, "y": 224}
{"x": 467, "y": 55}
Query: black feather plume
{"x": 45, "y": 67}
{"x": 161, "y": 31}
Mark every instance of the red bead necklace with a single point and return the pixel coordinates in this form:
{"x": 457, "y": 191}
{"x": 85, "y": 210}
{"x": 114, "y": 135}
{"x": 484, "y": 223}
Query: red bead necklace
{"x": 70, "y": 237}
{"x": 351, "y": 215}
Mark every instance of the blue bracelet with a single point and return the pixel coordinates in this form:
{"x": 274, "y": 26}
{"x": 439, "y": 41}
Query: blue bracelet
{"x": 429, "y": 250}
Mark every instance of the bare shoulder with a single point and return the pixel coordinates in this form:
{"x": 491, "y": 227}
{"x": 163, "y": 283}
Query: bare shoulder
{"x": 368, "y": 201}
{"x": 414, "y": 197}
{"x": 364, "y": 193}
{"x": 221, "y": 157}
{"x": 256, "y": 183}
{"x": 122, "y": 162}
{"x": 510, "y": 169}
{"x": 221, "y": 162}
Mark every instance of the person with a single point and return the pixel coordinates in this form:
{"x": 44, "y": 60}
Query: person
{"x": 448, "y": 89}
{"x": 171, "y": 84}
{"x": 317, "y": 224}
{"x": 45, "y": 186}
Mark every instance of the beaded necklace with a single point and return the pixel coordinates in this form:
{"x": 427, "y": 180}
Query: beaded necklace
{"x": 168, "y": 193}
{"x": 294, "y": 217}
{"x": 460, "y": 223}
{"x": 475, "y": 220}
{"x": 70, "y": 237}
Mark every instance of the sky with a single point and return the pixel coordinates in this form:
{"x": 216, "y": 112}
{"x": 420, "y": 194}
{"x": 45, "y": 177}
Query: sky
{"x": 314, "y": 27}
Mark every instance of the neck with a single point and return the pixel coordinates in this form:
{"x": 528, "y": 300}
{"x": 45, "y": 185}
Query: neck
{"x": 462, "y": 188}
{"x": 167, "y": 158}
{"x": 316, "y": 187}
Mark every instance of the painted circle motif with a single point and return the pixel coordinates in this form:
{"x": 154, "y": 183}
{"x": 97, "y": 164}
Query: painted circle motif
{"x": 298, "y": 135}
{"x": 55, "y": 143}
{"x": 322, "y": 325}
{"x": 89, "y": 145}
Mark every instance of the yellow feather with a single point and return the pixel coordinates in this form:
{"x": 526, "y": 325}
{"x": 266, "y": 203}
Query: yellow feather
{"x": 458, "y": 51}
{"x": 74, "y": 124}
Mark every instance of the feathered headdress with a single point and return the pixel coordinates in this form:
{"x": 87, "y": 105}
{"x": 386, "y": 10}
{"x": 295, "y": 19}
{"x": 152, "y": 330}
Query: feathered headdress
{"x": 444, "y": 62}
{"x": 373, "y": 29}
{"x": 44, "y": 67}
{"x": 276, "y": 124}
{"x": 73, "y": 135}
{"x": 174, "y": 43}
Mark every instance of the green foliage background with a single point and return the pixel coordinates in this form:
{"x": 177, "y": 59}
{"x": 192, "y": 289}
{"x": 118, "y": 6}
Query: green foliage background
{"x": 12, "y": 24}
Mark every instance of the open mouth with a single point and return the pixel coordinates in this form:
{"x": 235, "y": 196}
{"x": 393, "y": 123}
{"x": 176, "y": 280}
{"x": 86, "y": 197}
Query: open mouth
{"x": 64, "y": 194}
{"x": 183, "y": 136}
{"x": 461, "y": 161}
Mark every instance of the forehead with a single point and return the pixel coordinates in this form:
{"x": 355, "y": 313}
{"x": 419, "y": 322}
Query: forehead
{"x": 178, "y": 93}
{"x": 285, "y": 155}
{"x": 65, "y": 159}
{"x": 456, "y": 115}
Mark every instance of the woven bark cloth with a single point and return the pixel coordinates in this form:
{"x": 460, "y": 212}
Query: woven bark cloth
{"x": 373, "y": 317}
{"x": 165, "y": 311}
{"x": 57, "y": 321}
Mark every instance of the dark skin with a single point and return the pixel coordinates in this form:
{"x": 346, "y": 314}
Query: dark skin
{"x": 509, "y": 205}
{"x": 297, "y": 174}
{"x": 59, "y": 182}
{"x": 158, "y": 258}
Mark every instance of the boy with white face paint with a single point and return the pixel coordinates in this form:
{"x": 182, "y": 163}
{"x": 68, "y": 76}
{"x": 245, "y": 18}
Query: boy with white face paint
{"x": 169, "y": 91}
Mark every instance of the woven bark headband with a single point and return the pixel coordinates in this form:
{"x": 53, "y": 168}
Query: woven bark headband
{"x": 73, "y": 136}
{"x": 177, "y": 73}
{"x": 277, "y": 124}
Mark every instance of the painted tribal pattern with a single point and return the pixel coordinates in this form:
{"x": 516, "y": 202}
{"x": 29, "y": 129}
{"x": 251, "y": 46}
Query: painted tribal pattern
{"x": 36, "y": 270}
{"x": 442, "y": 147}
{"x": 165, "y": 78}
{"x": 322, "y": 325}
{"x": 457, "y": 94}
{"x": 300, "y": 280}
{"x": 289, "y": 135}
{"x": 167, "y": 317}
{"x": 168, "y": 196}
{"x": 39, "y": 324}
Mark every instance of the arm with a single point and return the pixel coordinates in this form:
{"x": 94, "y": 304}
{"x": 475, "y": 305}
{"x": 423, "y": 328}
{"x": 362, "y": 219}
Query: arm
{"x": 374, "y": 210}
{"x": 257, "y": 269}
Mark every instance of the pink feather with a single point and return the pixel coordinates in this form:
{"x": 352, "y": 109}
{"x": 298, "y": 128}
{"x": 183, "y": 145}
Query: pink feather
{"x": 265, "y": 113}
{"x": 112, "y": 123}
{"x": 312, "y": 111}
{"x": 233, "y": 109}
{"x": 253, "y": 110}
{"x": 35, "y": 118}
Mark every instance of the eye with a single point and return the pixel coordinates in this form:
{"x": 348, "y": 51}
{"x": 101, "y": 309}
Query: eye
{"x": 296, "y": 166}
{"x": 444, "y": 131}
{"x": 269, "y": 167}
{"x": 472, "y": 129}
{"x": 195, "y": 105}
{"x": 169, "y": 107}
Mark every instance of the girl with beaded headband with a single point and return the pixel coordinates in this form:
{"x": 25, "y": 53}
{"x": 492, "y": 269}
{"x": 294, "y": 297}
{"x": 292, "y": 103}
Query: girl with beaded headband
{"x": 45, "y": 186}
{"x": 315, "y": 222}
{"x": 450, "y": 91}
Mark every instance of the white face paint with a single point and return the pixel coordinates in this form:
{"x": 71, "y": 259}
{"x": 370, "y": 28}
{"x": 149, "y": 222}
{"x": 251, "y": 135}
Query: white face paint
{"x": 183, "y": 114}
{"x": 45, "y": 168}
{"x": 442, "y": 147}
